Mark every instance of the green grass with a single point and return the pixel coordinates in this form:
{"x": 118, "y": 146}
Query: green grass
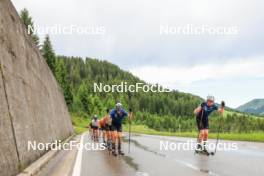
{"x": 256, "y": 136}
{"x": 240, "y": 113}
{"x": 79, "y": 123}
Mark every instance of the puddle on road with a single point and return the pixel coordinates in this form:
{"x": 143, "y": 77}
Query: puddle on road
{"x": 130, "y": 162}
{"x": 196, "y": 168}
{"x": 136, "y": 143}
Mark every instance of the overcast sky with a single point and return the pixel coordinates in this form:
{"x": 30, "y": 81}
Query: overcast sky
{"x": 229, "y": 65}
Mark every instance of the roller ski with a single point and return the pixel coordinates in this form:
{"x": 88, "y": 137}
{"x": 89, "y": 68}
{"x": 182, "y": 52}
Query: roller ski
{"x": 202, "y": 150}
{"x": 120, "y": 152}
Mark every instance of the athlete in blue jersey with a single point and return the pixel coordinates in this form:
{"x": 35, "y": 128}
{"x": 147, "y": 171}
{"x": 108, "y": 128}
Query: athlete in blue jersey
{"x": 202, "y": 115}
{"x": 117, "y": 115}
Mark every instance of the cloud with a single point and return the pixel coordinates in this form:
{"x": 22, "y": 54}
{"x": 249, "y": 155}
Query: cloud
{"x": 133, "y": 29}
{"x": 236, "y": 81}
{"x": 173, "y": 76}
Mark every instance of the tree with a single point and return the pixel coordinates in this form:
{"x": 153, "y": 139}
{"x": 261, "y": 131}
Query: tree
{"x": 48, "y": 54}
{"x": 61, "y": 76}
{"x": 28, "y": 22}
{"x": 85, "y": 99}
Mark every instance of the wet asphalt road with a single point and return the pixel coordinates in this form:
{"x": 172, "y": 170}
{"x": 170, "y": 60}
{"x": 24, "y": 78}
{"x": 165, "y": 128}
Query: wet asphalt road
{"x": 146, "y": 158}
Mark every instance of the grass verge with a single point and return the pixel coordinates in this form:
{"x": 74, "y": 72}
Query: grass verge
{"x": 79, "y": 123}
{"x": 253, "y": 137}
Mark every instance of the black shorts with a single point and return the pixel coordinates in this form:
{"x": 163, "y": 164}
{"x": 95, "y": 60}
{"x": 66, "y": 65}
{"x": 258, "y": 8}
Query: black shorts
{"x": 106, "y": 127}
{"x": 203, "y": 123}
{"x": 103, "y": 128}
{"x": 95, "y": 127}
{"x": 116, "y": 127}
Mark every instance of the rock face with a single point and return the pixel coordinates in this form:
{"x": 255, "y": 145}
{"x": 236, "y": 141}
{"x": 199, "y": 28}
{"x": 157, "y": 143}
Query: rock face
{"x": 32, "y": 107}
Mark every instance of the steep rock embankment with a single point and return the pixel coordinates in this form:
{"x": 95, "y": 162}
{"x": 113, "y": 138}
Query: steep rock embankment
{"x": 32, "y": 107}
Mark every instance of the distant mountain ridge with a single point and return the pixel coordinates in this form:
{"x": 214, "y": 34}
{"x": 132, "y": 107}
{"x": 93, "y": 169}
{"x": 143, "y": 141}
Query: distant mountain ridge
{"x": 255, "y": 106}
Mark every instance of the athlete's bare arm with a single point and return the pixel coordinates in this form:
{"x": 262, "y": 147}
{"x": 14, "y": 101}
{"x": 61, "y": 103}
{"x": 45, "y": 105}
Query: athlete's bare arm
{"x": 221, "y": 110}
{"x": 197, "y": 110}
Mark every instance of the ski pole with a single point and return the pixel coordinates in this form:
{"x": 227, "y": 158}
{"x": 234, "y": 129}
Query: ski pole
{"x": 129, "y": 131}
{"x": 219, "y": 126}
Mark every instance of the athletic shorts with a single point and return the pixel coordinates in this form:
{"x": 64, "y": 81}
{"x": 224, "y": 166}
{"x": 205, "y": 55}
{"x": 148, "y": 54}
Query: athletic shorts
{"x": 107, "y": 127}
{"x": 102, "y": 128}
{"x": 116, "y": 127}
{"x": 202, "y": 124}
{"x": 95, "y": 127}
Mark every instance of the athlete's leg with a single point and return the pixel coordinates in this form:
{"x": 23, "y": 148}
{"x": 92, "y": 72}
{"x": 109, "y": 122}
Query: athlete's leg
{"x": 120, "y": 144}
{"x": 200, "y": 128}
{"x": 201, "y": 136}
{"x": 205, "y": 133}
{"x": 96, "y": 133}
{"x": 114, "y": 139}
{"x": 112, "y": 134}
{"x": 120, "y": 152}
{"x": 104, "y": 136}
{"x": 115, "y": 136}
{"x": 205, "y": 136}
{"x": 91, "y": 132}
{"x": 107, "y": 134}
{"x": 200, "y": 139}
{"x": 99, "y": 133}
{"x": 109, "y": 138}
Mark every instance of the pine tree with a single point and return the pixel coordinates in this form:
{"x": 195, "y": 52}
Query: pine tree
{"x": 83, "y": 96}
{"x": 28, "y": 22}
{"x": 61, "y": 76}
{"x": 48, "y": 53}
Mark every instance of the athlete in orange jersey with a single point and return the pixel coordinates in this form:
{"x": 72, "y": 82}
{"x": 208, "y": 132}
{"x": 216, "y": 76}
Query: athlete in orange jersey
{"x": 104, "y": 126}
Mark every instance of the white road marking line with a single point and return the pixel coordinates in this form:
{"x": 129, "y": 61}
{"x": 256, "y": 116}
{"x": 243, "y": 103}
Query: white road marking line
{"x": 78, "y": 161}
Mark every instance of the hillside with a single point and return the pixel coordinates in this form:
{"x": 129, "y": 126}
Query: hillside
{"x": 255, "y": 106}
{"x": 82, "y": 74}
{"x": 167, "y": 111}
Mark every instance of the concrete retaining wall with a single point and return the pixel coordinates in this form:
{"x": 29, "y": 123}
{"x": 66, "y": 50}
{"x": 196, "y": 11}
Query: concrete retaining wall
{"x": 32, "y": 106}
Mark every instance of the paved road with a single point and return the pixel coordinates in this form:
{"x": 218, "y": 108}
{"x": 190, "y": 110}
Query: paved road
{"x": 147, "y": 159}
